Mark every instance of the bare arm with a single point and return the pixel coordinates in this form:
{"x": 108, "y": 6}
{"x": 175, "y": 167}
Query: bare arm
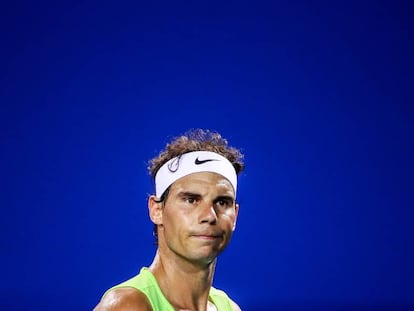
{"x": 124, "y": 299}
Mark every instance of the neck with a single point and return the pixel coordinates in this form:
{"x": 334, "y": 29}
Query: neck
{"x": 186, "y": 285}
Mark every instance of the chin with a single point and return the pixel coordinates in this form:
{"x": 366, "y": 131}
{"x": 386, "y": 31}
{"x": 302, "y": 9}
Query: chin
{"x": 206, "y": 258}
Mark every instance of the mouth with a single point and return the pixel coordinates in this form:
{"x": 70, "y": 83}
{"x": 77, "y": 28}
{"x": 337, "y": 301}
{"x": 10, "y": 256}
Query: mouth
{"x": 208, "y": 237}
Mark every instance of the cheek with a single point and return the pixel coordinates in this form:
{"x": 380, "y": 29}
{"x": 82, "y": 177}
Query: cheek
{"x": 175, "y": 220}
{"x": 229, "y": 216}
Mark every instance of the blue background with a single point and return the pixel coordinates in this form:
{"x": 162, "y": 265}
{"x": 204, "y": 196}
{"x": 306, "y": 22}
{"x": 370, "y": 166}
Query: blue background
{"x": 318, "y": 94}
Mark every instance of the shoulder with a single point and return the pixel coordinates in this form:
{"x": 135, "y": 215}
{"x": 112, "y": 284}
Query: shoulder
{"x": 220, "y": 293}
{"x": 125, "y": 299}
{"x": 234, "y": 305}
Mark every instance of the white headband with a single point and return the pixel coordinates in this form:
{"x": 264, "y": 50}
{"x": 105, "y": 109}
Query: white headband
{"x": 193, "y": 162}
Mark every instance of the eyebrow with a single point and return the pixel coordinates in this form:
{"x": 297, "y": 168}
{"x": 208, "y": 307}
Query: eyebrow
{"x": 184, "y": 194}
{"x": 188, "y": 194}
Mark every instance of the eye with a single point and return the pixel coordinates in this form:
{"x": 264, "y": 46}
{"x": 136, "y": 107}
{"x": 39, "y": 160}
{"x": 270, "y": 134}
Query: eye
{"x": 190, "y": 200}
{"x": 224, "y": 203}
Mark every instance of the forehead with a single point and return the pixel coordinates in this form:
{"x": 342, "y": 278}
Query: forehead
{"x": 203, "y": 180}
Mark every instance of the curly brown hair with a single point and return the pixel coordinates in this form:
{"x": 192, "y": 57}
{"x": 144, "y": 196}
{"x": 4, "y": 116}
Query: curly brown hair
{"x": 197, "y": 140}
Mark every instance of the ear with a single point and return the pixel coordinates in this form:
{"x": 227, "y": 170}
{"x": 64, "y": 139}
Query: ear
{"x": 155, "y": 210}
{"x": 236, "y": 214}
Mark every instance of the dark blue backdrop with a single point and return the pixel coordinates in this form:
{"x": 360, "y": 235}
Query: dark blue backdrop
{"x": 318, "y": 94}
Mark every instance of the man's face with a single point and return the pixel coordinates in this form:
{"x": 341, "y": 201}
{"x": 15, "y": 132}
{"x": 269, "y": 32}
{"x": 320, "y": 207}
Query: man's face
{"x": 199, "y": 217}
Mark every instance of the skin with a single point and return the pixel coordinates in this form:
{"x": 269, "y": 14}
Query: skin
{"x": 195, "y": 224}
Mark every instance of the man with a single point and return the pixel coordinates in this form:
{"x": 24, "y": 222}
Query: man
{"x": 194, "y": 212}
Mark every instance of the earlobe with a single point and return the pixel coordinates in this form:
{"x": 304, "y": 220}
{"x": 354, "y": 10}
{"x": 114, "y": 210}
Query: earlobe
{"x": 155, "y": 210}
{"x": 235, "y": 218}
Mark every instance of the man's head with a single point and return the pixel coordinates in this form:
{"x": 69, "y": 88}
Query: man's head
{"x": 199, "y": 157}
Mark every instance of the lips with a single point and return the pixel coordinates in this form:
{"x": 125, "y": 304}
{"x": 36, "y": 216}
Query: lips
{"x": 208, "y": 236}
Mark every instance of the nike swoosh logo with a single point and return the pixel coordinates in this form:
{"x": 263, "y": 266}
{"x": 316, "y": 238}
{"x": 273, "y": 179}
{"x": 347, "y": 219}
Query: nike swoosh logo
{"x": 198, "y": 162}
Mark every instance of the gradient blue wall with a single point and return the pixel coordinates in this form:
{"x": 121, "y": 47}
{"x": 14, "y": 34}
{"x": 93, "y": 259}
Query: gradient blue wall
{"x": 318, "y": 94}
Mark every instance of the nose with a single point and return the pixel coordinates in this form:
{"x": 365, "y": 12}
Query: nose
{"x": 208, "y": 214}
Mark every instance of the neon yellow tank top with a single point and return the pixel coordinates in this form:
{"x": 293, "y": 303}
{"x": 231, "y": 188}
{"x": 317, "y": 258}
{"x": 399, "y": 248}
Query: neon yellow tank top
{"x": 146, "y": 283}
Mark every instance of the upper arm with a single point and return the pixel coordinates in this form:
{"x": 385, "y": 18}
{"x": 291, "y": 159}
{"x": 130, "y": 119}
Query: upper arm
{"x": 124, "y": 299}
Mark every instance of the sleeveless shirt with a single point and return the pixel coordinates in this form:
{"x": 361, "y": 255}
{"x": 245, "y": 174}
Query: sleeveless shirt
{"x": 146, "y": 283}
